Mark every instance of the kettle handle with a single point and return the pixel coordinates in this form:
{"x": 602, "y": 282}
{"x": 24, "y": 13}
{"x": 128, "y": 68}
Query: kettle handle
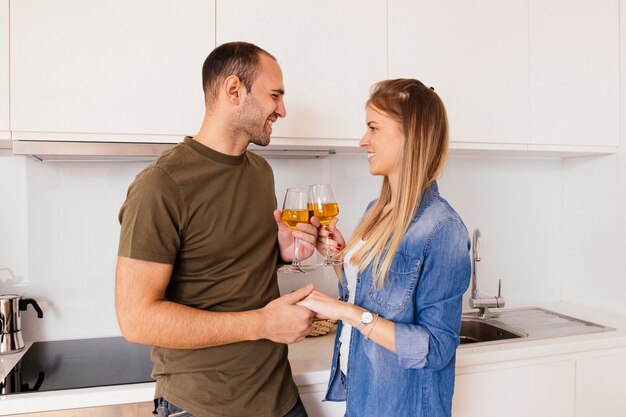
{"x": 24, "y": 302}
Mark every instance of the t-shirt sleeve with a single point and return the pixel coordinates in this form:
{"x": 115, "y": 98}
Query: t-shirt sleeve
{"x": 152, "y": 218}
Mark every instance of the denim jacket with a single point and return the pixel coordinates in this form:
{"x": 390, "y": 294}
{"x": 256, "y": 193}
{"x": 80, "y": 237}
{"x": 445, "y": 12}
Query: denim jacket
{"x": 422, "y": 295}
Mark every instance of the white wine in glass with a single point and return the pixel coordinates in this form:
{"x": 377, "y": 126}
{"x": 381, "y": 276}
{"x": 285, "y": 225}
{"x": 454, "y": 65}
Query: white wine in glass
{"x": 295, "y": 210}
{"x": 325, "y": 207}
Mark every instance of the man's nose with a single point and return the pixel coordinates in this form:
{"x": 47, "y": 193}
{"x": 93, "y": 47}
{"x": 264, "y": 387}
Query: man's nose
{"x": 281, "y": 110}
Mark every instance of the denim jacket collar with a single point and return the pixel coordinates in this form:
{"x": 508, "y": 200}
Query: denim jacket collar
{"x": 427, "y": 198}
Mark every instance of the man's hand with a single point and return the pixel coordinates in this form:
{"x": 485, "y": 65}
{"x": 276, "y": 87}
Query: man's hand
{"x": 306, "y": 234}
{"x": 284, "y": 321}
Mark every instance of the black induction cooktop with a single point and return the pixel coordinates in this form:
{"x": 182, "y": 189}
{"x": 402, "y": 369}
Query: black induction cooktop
{"x": 82, "y": 363}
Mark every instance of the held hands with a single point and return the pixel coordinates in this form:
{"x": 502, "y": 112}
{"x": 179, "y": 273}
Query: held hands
{"x": 306, "y": 234}
{"x": 328, "y": 307}
{"x": 284, "y": 321}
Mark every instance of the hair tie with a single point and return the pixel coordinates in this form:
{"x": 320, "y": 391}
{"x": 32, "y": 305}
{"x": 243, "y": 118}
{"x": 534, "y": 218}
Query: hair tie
{"x": 432, "y": 88}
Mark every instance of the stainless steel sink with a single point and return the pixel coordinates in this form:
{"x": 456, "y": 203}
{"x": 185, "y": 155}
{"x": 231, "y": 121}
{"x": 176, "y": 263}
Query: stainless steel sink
{"x": 475, "y": 330}
{"x": 522, "y": 324}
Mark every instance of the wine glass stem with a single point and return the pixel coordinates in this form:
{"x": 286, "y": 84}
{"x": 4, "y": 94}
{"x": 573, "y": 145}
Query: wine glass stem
{"x": 327, "y": 249}
{"x": 295, "y": 251}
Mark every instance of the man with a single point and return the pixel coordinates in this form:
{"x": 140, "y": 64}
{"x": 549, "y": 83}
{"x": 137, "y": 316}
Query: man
{"x": 199, "y": 249}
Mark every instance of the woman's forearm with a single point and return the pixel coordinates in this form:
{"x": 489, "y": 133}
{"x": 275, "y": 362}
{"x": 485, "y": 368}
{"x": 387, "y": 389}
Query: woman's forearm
{"x": 380, "y": 330}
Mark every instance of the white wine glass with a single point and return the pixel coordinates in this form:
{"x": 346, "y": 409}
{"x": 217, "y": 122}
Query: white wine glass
{"x": 324, "y": 205}
{"x": 295, "y": 210}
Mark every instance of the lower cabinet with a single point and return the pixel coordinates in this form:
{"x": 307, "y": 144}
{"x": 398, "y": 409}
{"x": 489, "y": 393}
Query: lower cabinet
{"x": 601, "y": 385}
{"x": 584, "y": 384}
{"x": 520, "y": 390}
{"x": 312, "y": 396}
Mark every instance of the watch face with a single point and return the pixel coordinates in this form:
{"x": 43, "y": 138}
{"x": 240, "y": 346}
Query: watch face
{"x": 367, "y": 317}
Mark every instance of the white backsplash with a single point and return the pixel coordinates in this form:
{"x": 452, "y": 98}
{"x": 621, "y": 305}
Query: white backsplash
{"x": 595, "y": 231}
{"x": 59, "y": 229}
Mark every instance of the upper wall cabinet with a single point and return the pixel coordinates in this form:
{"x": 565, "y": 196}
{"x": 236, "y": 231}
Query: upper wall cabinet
{"x": 108, "y": 70}
{"x": 475, "y": 55}
{"x": 4, "y": 70}
{"x": 539, "y": 75}
{"x": 574, "y": 72}
{"x": 330, "y": 52}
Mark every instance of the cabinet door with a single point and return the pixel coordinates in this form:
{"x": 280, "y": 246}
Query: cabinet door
{"x": 574, "y": 72}
{"x": 4, "y": 70}
{"x": 545, "y": 390}
{"x": 315, "y": 407}
{"x": 475, "y": 55}
{"x": 600, "y": 385}
{"x": 109, "y": 67}
{"x": 330, "y": 52}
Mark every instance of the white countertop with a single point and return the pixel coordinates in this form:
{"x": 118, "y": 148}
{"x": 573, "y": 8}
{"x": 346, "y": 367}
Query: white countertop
{"x": 310, "y": 363}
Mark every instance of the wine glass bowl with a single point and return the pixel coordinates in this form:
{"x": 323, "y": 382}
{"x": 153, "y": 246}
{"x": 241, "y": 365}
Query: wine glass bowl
{"x": 326, "y": 212}
{"x": 293, "y": 217}
{"x": 295, "y": 210}
{"x": 325, "y": 207}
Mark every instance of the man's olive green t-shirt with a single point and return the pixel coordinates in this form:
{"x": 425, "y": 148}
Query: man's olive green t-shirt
{"x": 210, "y": 215}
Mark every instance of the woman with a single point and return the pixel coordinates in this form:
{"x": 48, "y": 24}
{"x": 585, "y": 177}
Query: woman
{"x": 405, "y": 268}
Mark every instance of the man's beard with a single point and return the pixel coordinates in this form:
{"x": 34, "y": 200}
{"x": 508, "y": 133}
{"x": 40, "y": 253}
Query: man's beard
{"x": 252, "y": 122}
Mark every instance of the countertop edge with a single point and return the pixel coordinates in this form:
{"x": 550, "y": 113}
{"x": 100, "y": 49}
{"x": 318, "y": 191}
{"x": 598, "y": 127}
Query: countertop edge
{"x": 76, "y": 398}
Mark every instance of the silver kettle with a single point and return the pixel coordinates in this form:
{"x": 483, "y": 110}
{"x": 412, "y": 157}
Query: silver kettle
{"x": 11, "y": 306}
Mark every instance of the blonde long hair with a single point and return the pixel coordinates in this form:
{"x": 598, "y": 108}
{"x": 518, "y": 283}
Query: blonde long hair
{"x": 422, "y": 116}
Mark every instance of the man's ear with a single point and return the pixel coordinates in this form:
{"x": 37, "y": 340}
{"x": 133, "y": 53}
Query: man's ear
{"x": 233, "y": 87}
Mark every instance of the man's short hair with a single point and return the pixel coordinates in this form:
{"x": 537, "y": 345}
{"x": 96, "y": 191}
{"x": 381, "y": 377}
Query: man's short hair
{"x": 234, "y": 58}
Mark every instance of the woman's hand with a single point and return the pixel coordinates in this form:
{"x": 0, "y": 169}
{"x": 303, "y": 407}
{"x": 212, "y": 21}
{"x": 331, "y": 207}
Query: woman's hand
{"x": 327, "y": 307}
{"x": 332, "y": 235}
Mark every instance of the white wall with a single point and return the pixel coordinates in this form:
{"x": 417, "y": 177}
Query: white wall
{"x": 594, "y": 195}
{"x": 59, "y": 229}
{"x": 516, "y": 203}
{"x": 13, "y": 222}
{"x": 594, "y": 198}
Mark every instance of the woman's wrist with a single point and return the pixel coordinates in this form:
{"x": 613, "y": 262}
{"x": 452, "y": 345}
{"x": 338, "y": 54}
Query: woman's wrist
{"x": 352, "y": 315}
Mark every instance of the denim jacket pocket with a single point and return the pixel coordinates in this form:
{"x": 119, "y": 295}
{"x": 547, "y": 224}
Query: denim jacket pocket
{"x": 399, "y": 284}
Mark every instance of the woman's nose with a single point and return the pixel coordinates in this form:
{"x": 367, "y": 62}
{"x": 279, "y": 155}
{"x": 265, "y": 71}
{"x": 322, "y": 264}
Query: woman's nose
{"x": 364, "y": 142}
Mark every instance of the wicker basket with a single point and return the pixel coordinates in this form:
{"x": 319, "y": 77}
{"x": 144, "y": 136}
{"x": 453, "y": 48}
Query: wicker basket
{"x": 322, "y": 326}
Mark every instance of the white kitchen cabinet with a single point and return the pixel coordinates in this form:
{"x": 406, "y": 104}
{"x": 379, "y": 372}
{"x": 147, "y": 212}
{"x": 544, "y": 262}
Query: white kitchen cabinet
{"x": 600, "y": 385}
{"x": 475, "y": 55}
{"x": 312, "y": 397}
{"x": 331, "y": 53}
{"x": 4, "y": 70}
{"x": 574, "y": 72}
{"x": 108, "y": 70}
{"x": 538, "y": 390}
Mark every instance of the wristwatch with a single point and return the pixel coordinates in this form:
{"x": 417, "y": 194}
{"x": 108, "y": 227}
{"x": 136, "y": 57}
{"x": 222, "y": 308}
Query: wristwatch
{"x": 366, "y": 318}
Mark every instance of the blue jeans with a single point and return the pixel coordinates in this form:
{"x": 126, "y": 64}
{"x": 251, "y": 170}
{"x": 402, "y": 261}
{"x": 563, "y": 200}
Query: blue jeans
{"x": 163, "y": 408}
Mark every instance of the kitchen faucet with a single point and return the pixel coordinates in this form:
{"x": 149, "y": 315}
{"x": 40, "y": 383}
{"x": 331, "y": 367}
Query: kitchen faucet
{"x": 476, "y": 301}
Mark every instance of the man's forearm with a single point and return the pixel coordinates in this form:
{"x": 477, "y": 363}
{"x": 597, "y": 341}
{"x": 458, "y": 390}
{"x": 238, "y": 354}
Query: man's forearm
{"x": 168, "y": 324}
